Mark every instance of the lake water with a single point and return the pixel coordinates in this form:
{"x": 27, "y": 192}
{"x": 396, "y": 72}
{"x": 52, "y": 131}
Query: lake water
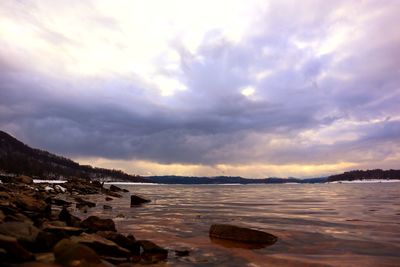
{"x": 317, "y": 225}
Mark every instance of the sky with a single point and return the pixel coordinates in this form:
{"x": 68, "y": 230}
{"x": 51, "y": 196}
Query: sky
{"x": 249, "y": 88}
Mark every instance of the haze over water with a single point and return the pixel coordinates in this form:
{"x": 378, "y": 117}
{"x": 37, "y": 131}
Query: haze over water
{"x": 317, "y": 225}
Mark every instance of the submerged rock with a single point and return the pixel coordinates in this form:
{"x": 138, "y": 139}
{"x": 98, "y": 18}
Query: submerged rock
{"x": 107, "y": 207}
{"x": 241, "y": 234}
{"x": 94, "y": 224}
{"x": 137, "y": 200}
{"x": 127, "y": 242}
{"x": 114, "y": 188}
{"x": 81, "y": 203}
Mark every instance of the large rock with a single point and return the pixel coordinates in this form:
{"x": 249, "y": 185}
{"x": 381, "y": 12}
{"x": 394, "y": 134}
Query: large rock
{"x": 68, "y": 253}
{"x": 114, "y": 188}
{"x": 152, "y": 252}
{"x": 94, "y": 224}
{"x": 102, "y": 246}
{"x": 24, "y": 232}
{"x": 81, "y": 203}
{"x": 14, "y": 251}
{"x": 68, "y": 218}
{"x": 137, "y": 200}
{"x": 127, "y": 242}
{"x": 24, "y": 179}
{"x": 31, "y": 203}
{"x": 240, "y": 234}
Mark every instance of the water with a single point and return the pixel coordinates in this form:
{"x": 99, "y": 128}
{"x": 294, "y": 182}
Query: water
{"x": 317, "y": 225}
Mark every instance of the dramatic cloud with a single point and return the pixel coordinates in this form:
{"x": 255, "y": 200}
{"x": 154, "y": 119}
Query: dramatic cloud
{"x": 253, "y": 88}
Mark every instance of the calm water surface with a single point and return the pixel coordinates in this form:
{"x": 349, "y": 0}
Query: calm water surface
{"x": 317, "y": 225}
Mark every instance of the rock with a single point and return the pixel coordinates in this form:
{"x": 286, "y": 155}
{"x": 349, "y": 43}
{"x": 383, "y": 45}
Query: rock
{"x": 68, "y": 218}
{"x": 107, "y": 207}
{"x": 120, "y": 215}
{"x": 68, "y": 253}
{"x": 24, "y": 179}
{"x": 114, "y": 188}
{"x": 58, "y": 202}
{"x": 97, "y": 184}
{"x": 14, "y": 251}
{"x": 152, "y": 252}
{"x": 24, "y": 232}
{"x": 102, "y": 246}
{"x": 137, "y": 200}
{"x": 109, "y": 198}
{"x": 128, "y": 242}
{"x": 182, "y": 253}
{"x": 94, "y": 224}
{"x": 81, "y": 203}
{"x": 31, "y": 203}
{"x": 240, "y": 234}
{"x": 63, "y": 230}
{"x": 110, "y": 193}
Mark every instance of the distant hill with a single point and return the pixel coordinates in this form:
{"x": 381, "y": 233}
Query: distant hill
{"x": 172, "y": 179}
{"x": 18, "y": 158}
{"x": 376, "y": 174}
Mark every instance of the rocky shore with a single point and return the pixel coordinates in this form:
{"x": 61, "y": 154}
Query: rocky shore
{"x": 38, "y": 229}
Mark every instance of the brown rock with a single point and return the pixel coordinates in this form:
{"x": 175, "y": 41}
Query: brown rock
{"x": 24, "y": 179}
{"x": 81, "y": 203}
{"x": 109, "y": 198}
{"x": 137, "y": 200}
{"x": 102, "y": 246}
{"x": 114, "y": 188}
{"x": 128, "y": 242}
{"x": 94, "y": 224}
{"x": 68, "y": 253}
{"x": 152, "y": 252}
{"x": 24, "y": 232}
{"x": 14, "y": 251}
{"x": 68, "y": 218}
{"x": 107, "y": 207}
{"x": 240, "y": 234}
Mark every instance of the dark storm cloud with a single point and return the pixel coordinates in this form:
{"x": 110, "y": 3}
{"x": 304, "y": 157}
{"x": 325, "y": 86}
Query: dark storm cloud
{"x": 347, "y": 91}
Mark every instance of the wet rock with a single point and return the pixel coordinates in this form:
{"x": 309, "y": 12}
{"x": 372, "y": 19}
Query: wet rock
{"x": 120, "y": 215}
{"x": 24, "y": 179}
{"x": 81, "y": 203}
{"x": 63, "y": 230}
{"x": 109, "y": 198}
{"x": 111, "y": 193}
{"x": 137, "y": 200}
{"x": 114, "y": 188}
{"x": 107, "y": 207}
{"x": 128, "y": 242}
{"x": 31, "y": 203}
{"x": 102, "y": 246}
{"x": 182, "y": 253}
{"x": 14, "y": 251}
{"x": 68, "y": 218}
{"x": 24, "y": 232}
{"x": 152, "y": 252}
{"x": 81, "y": 186}
{"x": 68, "y": 253}
{"x": 241, "y": 234}
{"x": 58, "y": 202}
{"x": 94, "y": 224}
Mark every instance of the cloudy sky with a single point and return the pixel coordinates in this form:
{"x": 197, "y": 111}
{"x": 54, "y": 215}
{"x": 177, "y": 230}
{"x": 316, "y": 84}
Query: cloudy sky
{"x": 250, "y": 88}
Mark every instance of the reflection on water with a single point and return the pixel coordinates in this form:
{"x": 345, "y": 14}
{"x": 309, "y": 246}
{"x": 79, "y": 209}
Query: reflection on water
{"x": 317, "y": 225}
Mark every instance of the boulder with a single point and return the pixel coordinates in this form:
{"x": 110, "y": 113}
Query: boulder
{"x": 31, "y": 203}
{"x": 102, "y": 246}
{"x": 24, "y": 232}
{"x": 241, "y": 234}
{"x": 68, "y": 253}
{"x": 137, "y": 200}
{"x": 94, "y": 224}
{"x": 81, "y": 203}
{"x": 68, "y": 218}
{"x": 127, "y": 242}
{"x": 152, "y": 252}
{"x": 14, "y": 251}
{"x": 23, "y": 179}
{"x": 114, "y": 188}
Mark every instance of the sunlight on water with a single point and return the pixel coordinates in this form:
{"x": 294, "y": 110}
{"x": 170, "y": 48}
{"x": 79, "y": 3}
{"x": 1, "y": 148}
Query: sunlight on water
{"x": 323, "y": 224}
